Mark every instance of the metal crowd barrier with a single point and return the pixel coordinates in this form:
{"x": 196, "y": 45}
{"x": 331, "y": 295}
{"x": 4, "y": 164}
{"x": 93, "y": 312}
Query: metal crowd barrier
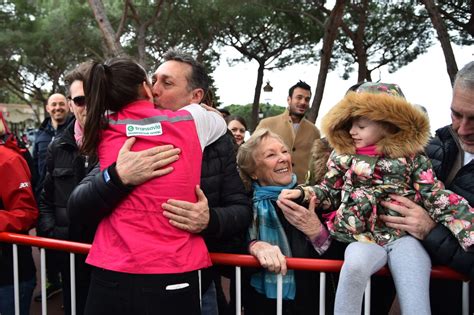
{"x": 320, "y": 265}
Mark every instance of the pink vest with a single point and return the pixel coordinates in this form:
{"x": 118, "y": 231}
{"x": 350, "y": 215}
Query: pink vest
{"x": 136, "y": 237}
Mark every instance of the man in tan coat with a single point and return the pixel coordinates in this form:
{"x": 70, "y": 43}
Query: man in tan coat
{"x": 297, "y": 132}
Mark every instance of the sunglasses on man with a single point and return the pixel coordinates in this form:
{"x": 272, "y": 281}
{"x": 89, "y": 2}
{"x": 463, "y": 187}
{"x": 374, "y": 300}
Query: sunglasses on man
{"x": 79, "y": 100}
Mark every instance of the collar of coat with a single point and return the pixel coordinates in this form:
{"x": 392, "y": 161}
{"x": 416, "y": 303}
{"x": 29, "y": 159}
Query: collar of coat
{"x": 413, "y": 124}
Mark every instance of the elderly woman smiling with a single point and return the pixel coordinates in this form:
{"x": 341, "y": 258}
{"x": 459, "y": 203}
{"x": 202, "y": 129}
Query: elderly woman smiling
{"x": 280, "y": 229}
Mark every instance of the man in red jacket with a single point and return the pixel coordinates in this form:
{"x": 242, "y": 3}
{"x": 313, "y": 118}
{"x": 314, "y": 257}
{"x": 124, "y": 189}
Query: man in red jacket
{"x": 18, "y": 214}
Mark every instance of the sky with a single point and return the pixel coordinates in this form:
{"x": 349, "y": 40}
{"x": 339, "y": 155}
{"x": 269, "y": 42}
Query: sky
{"x": 425, "y": 81}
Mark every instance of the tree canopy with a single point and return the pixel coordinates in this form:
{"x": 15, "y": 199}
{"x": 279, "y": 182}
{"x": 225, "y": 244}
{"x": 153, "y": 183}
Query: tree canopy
{"x": 378, "y": 33}
{"x": 42, "y": 40}
{"x": 39, "y": 43}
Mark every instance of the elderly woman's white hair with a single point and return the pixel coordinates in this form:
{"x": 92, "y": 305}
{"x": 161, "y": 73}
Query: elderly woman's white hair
{"x": 246, "y": 154}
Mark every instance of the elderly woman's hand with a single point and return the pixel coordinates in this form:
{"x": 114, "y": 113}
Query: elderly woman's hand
{"x": 304, "y": 219}
{"x": 269, "y": 256}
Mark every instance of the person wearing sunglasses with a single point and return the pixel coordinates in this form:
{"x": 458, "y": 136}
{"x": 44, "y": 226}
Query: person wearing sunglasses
{"x": 136, "y": 246}
{"x": 65, "y": 168}
{"x": 222, "y": 217}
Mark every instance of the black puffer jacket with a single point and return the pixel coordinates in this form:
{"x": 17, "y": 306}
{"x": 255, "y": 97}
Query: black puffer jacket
{"x": 440, "y": 242}
{"x": 230, "y": 206}
{"x": 45, "y": 134}
{"x": 65, "y": 168}
{"x": 442, "y": 151}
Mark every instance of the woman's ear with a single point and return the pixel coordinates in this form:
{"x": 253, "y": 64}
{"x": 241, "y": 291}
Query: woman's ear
{"x": 146, "y": 91}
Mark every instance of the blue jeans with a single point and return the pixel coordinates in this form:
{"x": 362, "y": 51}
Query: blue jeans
{"x": 7, "y": 299}
{"x": 209, "y": 301}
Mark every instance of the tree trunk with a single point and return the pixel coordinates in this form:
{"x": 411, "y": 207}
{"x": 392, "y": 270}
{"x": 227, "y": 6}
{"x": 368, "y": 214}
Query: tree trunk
{"x": 142, "y": 27}
{"x": 360, "y": 49}
{"x": 141, "y": 36}
{"x": 363, "y": 72}
{"x": 256, "y": 98}
{"x": 443, "y": 37}
{"x": 114, "y": 48}
{"x": 330, "y": 34}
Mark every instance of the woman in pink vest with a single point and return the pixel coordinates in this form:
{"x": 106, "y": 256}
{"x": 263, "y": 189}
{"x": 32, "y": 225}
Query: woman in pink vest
{"x": 144, "y": 265}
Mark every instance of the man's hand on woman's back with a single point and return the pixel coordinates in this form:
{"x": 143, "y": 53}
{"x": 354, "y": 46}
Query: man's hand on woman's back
{"x": 135, "y": 168}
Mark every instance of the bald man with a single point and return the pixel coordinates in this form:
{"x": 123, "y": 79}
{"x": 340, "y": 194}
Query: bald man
{"x": 58, "y": 110}
{"x": 59, "y": 117}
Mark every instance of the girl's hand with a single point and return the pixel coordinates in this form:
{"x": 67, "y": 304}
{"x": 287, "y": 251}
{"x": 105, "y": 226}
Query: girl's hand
{"x": 289, "y": 194}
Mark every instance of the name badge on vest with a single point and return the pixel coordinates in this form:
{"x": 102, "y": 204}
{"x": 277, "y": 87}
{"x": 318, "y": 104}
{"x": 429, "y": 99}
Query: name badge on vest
{"x": 144, "y": 130}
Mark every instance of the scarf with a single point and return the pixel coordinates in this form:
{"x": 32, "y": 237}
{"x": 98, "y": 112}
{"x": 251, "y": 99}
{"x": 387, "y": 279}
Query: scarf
{"x": 267, "y": 227}
{"x": 78, "y": 133}
{"x": 370, "y": 150}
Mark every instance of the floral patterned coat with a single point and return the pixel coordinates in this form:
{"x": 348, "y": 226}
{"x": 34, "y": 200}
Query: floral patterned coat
{"x": 354, "y": 185}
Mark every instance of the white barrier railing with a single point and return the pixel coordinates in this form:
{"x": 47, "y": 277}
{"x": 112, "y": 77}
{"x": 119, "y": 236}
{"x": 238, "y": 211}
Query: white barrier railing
{"x": 238, "y": 261}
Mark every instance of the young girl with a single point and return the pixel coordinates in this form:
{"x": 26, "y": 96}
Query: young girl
{"x": 378, "y": 139}
{"x": 143, "y": 263}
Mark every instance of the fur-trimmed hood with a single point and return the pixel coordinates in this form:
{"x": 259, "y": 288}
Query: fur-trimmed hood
{"x": 413, "y": 124}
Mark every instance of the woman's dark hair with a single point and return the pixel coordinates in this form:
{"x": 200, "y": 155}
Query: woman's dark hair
{"x": 241, "y": 120}
{"x": 109, "y": 87}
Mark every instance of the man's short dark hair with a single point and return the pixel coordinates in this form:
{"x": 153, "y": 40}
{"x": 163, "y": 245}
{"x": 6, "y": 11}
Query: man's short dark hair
{"x": 79, "y": 73}
{"x": 302, "y": 85}
{"x": 199, "y": 78}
